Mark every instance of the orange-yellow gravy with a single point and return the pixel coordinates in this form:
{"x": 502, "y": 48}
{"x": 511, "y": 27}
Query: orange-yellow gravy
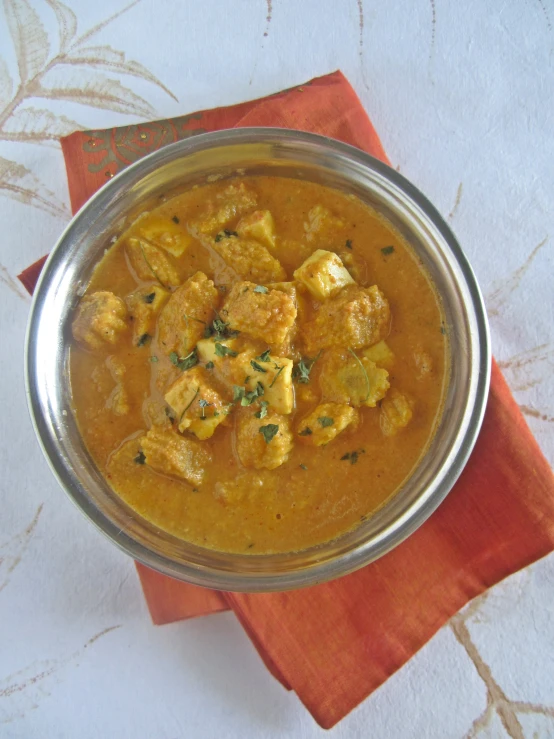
{"x": 258, "y": 364}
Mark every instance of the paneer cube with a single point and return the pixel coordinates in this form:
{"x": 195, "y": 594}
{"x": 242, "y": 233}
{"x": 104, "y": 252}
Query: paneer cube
{"x": 249, "y": 259}
{"x": 186, "y": 314}
{"x": 396, "y": 413}
{"x": 274, "y": 374}
{"x": 323, "y": 274}
{"x": 208, "y": 351}
{"x": 321, "y": 223}
{"x": 150, "y": 262}
{"x": 325, "y": 422}
{"x": 144, "y": 305}
{"x": 259, "y": 226}
{"x": 259, "y": 312}
{"x": 349, "y": 378}
{"x": 263, "y": 442}
{"x": 357, "y": 317}
{"x": 290, "y": 288}
{"x": 164, "y": 233}
{"x": 168, "y": 452}
{"x": 232, "y": 202}
{"x": 380, "y": 353}
{"x": 101, "y": 318}
{"x": 199, "y": 403}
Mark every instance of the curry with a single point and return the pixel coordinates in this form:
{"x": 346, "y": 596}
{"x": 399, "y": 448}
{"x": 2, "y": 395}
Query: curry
{"x": 258, "y": 364}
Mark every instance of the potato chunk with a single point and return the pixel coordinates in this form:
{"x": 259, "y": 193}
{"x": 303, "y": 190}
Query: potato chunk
{"x": 101, "y": 318}
{"x": 263, "y": 443}
{"x": 249, "y": 259}
{"x": 274, "y": 375}
{"x": 186, "y": 314}
{"x": 165, "y": 233}
{"x": 356, "y": 317}
{"x": 321, "y": 222}
{"x": 325, "y": 422}
{"x": 396, "y": 413}
{"x": 259, "y": 226}
{"x": 171, "y": 454}
{"x": 380, "y": 353}
{"x": 144, "y": 305}
{"x": 232, "y": 202}
{"x": 149, "y": 262}
{"x": 264, "y": 314}
{"x": 199, "y": 403}
{"x": 346, "y": 378}
{"x": 323, "y": 274}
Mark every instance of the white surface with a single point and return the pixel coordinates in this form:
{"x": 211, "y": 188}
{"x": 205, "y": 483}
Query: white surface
{"x": 461, "y": 94}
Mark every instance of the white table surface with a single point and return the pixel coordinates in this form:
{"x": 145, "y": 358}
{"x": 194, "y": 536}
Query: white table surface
{"x": 461, "y": 94}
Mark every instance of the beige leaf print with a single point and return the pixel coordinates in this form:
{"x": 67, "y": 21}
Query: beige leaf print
{"x": 38, "y": 125}
{"x": 497, "y": 299}
{"x": 18, "y": 183}
{"x": 12, "y": 551}
{"x": 29, "y": 38}
{"x": 6, "y": 83}
{"x": 67, "y": 22}
{"x": 99, "y": 92}
{"x": 105, "y": 56}
{"x": 529, "y": 368}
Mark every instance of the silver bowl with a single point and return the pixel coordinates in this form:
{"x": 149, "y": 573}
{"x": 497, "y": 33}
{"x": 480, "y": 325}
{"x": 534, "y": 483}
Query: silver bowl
{"x": 198, "y": 160}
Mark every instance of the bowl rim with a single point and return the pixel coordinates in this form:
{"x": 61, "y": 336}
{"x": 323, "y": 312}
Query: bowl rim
{"x": 316, "y": 573}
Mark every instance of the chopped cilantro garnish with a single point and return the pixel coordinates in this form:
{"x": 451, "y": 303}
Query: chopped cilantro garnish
{"x": 184, "y": 363}
{"x": 222, "y": 351}
{"x": 325, "y": 421}
{"x": 262, "y": 413}
{"x": 349, "y": 243}
{"x": 279, "y": 370}
{"x": 175, "y": 219}
{"x": 303, "y": 467}
{"x": 301, "y": 371}
{"x": 149, "y": 298}
{"x": 269, "y": 431}
{"x": 154, "y": 359}
{"x": 386, "y": 250}
{"x": 209, "y": 365}
{"x": 264, "y": 356}
{"x": 368, "y": 386}
{"x": 140, "y": 458}
{"x": 260, "y": 289}
{"x": 143, "y": 339}
{"x": 238, "y": 392}
{"x": 306, "y": 432}
{"x": 256, "y": 366}
{"x": 352, "y": 457}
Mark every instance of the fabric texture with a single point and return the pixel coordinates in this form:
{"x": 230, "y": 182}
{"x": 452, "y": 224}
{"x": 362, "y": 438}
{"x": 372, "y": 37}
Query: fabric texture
{"x": 334, "y": 644}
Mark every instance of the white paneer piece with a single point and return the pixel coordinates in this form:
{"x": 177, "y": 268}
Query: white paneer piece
{"x": 323, "y": 274}
{"x": 258, "y": 225}
{"x": 275, "y": 376}
{"x": 199, "y": 403}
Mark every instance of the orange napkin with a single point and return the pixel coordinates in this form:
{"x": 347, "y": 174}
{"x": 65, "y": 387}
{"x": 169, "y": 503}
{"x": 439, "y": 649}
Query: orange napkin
{"x": 336, "y": 643}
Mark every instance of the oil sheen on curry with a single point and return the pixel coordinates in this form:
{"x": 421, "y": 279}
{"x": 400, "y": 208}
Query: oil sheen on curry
{"x": 258, "y": 364}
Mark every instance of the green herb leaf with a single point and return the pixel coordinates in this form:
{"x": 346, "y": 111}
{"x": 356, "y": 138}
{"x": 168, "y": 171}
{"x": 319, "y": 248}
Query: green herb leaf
{"x": 175, "y": 219}
{"x": 143, "y": 339}
{"x": 219, "y": 329}
{"x": 246, "y": 379}
{"x": 222, "y": 351}
{"x": 218, "y": 237}
{"x": 269, "y": 431}
{"x": 386, "y": 250}
{"x": 352, "y": 457}
{"x": 216, "y": 414}
{"x": 184, "y": 363}
{"x": 262, "y": 413}
{"x": 154, "y": 359}
{"x": 301, "y": 371}
{"x": 260, "y": 289}
{"x": 325, "y": 421}
{"x": 280, "y": 369}
{"x": 238, "y": 392}
{"x": 140, "y": 458}
{"x": 149, "y": 298}
{"x": 264, "y": 356}
{"x": 192, "y": 318}
{"x": 209, "y": 365}
{"x": 306, "y": 432}
{"x": 260, "y": 389}
{"x": 303, "y": 467}
{"x": 256, "y": 366}
{"x": 349, "y": 243}
{"x": 203, "y": 404}
{"x": 230, "y": 233}
{"x": 368, "y": 385}
{"x": 189, "y": 405}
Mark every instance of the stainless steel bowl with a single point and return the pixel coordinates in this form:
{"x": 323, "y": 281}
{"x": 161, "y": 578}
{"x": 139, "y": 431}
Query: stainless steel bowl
{"x": 198, "y": 160}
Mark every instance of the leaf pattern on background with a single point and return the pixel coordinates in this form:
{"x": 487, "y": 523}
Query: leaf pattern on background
{"x": 12, "y": 551}
{"x": 19, "y": 183}
{"x": 6, "y": 83}
{"x": 37, "y": 124}
{"x": 99, "y": 92}
{"x": 529, "y": 368}
{"x": 67, "y": 22}
{"x": 30, "y": 124}
{"x": 105, "y": 56}
{"x": 29, "y": 38}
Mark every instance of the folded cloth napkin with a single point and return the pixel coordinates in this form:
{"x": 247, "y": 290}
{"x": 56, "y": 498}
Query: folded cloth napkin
{"x": 335, "y": 643}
